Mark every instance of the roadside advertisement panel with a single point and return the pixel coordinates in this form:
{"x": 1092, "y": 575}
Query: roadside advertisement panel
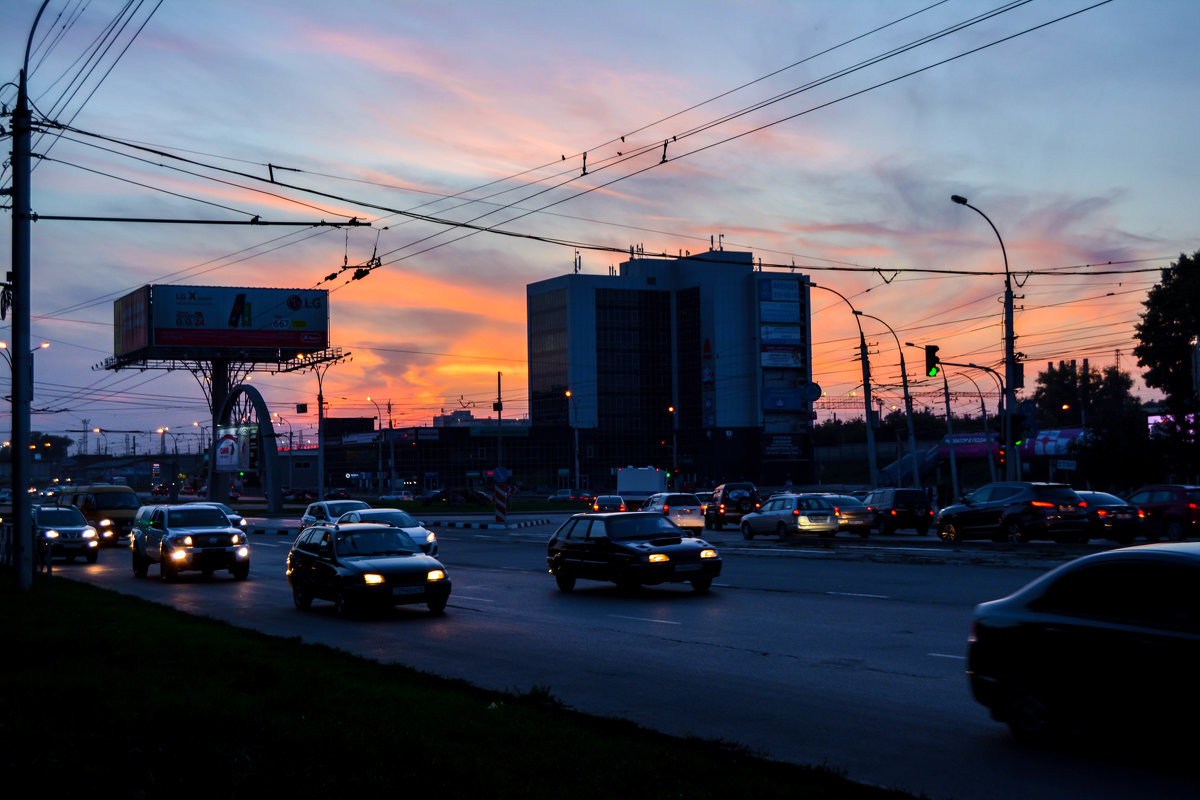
{"x": 224, "y": 316}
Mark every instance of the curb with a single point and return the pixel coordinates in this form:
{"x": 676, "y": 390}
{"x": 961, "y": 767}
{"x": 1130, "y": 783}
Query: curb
{"x": 529, "y": 523}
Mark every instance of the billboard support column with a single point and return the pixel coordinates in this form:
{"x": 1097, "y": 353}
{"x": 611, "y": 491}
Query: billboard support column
{"x": 219, "y": 394}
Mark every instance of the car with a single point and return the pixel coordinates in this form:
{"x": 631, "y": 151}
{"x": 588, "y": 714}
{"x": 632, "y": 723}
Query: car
{"x": 1016, "y": 511}
{"x": 299, "y": 495}
{"x": 853, "y": 515}
{"x": 192, "y": 536}
{"x": 363, "y": 565}
{"x": 337, "y": 494}
{"x": 1172, "y": 510}
{"x": 896, "y": 508}
{"x": 425, "y": 538}
{"x": 632, "y": 548}
{"x": 1106, "y": 643}
{"x": 235, "y": 519}
{"x": 1110, "y": 517}
{"x": 66, "y": 533}
{"x": 108, "y": 507}
{"x": 608, "y": 502}
{"x": 685, "y": 510}
{"x": 792, "y": 514}
{"x": 730, "y": 502}
{"x": 6, "y": 497}
{"x": 324, "y": 511}
{"x": 397, "y": 497}
{"x": 567, "y": 496}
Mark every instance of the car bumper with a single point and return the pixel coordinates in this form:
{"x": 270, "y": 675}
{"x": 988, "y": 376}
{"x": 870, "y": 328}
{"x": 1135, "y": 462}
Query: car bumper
{"x": 212, "y": 558}
{"x": 387, "y": 594}
{"x": 73, "y": 547}
{"x": 680, "y": 572}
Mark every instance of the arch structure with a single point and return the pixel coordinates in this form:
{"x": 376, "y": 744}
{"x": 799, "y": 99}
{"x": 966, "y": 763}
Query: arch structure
{"x": 268, "y": 449}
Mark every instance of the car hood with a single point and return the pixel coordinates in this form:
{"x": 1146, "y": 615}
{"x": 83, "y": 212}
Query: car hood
{"x": 663, "y": 544}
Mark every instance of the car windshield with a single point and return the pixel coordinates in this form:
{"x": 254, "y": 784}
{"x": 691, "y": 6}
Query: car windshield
{"x": 814, "y": 504}
{"x": 339, "y": 508}
{"x": 1102, "y": 499}
{"x": 115, "y": 501}
{"x": 375, "y": 542}
{"x": 682, "y": 500}
{"x": 199, "y": 517}
{"x": 845, "y": 502}
{"x": 649, "y": 526}
{"x": 401, "y": 519}
{"x": 60, "y": 516}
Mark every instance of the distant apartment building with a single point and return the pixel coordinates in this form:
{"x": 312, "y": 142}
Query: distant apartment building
{"x": 700, "y": 365}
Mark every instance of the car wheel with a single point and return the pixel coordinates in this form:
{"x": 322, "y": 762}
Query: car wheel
{"x": 781, "y": 531}
{"x": 140, "y": 565}
{"x": 167, "y": 570}
{"x": 240, "y": 571}
{"x": 701, "y": 585}
{"x": 708, "y": 523}
{"x": 948, "y": 532}
{"x": 565, "y": 582}
{"x": 92, "y": 556}
{"x": 300, "y": 598}
{"x": 1014, "y": 531}
{"x": 747, "y": 533}
{"x": 436, "y": 606}
{"x": 1028, "y": 716}
{"x": 1173, "y": 530}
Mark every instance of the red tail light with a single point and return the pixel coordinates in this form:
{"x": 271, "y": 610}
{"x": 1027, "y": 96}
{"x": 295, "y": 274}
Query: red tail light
{"x": 622, "y": 506}
{"x": 666, "y": 510}
{"x": 1141, "y": 514}
{"x": 1083, "y": 504}
{"x": 893, "y": 512}
{"x": 1101, "y": 512}
{"x": 1041, "y": 504}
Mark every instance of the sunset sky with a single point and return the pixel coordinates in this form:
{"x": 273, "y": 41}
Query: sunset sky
{"x": 828, "y": 135}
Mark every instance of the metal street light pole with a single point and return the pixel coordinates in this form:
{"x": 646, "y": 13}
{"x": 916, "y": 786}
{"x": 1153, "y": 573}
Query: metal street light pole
{"x": 866, "y": 373}
{"x": 908, "y": 412}
{"x": 1010, "y": 360}
{"x": 291, "y": 449}
{"x": 379, "y": 448}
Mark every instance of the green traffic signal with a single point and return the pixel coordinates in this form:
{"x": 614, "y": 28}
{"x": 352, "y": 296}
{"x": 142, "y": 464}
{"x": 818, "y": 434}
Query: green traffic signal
{"x": 933, "y": 364}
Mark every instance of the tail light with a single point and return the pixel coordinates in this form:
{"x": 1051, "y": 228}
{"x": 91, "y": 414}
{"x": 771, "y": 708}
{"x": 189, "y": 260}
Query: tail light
{"x": 1141, "y": 514}
{"x": 666, "y": 510}
{"x": 1041, "y": 504}
{"x": 622, "y": 506}
{"x": 893, "y": 512}
{"x": 1101, "y": 512}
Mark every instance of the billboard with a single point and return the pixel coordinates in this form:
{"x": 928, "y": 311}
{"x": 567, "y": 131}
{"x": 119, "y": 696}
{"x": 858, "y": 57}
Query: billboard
{"x": 201, "y": 322}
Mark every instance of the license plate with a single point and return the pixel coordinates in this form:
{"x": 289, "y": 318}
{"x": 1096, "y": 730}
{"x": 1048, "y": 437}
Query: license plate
{"x": 686, "y": 567}
{"x": 408, "y": 589}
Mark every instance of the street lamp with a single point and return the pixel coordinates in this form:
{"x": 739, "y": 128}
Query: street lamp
{"x": 575, "y": 434}
{"x": 908, "y": 412}
{"x": 379, "y": 449}
{"x": 105, "y": 436}
{"x": 866, "y": 377}
{"x": 1010, "y": 361}
{"x": 163, "y": 433}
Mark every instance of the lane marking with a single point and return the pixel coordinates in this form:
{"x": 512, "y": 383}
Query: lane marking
{"x": 643, "y": 619}
{"x": 860, "y": 594}
{"x": 473, "y": 599}
{"x": 947, "y": 655}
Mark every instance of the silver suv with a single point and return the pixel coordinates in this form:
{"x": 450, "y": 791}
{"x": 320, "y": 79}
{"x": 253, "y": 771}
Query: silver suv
{"x": 188, "y": 537}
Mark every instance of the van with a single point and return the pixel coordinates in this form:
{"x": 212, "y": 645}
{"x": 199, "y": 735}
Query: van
{"x": 108, "y": 507}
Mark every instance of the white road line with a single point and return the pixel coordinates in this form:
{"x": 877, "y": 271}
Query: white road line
{"x": 473, "y": 599}
{"x": 859, "y": 594}
{"x": 946, "y": 655}
{"x": 643, "y": 619}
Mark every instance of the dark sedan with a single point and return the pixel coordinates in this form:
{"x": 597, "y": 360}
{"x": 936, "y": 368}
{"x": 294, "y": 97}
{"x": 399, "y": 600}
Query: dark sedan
{"x": 629, "y": 549}
{"x": 1107, "y": 643}
{"x": 362, "y": 565}
{"x": 1110, "y": 517}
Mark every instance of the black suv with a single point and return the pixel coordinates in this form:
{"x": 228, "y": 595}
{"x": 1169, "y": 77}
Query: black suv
{"x": 188, "y": 537}
{"x": 730, "y": 502}
{"x": 1016, "y": 511}
{"x": 900, "y": 508}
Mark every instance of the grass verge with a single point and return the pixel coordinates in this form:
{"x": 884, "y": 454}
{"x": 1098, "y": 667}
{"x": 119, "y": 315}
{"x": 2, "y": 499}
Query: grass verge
{"x": 107, "y": 693}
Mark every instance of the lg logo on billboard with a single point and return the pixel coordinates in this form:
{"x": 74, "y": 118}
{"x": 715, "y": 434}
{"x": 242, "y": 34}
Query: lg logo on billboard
{"x": 295, "y": 302}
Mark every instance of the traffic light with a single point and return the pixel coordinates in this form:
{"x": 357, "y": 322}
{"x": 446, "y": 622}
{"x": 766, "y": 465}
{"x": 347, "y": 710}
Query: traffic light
{"x": 933, "y": 365}
{"x": 1003, "y": 452}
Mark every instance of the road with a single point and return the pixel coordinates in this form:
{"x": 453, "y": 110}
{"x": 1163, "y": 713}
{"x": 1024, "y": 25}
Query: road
{"x": 850, "y": 656}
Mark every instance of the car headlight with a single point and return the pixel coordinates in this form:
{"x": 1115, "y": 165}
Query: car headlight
{"x": 178, "y": 555}
{"x": 242, "y": 522}
{"x": 372, "y": 578}
{"x": 51, "y": 534}
{"x": 658, "y": 558}
{"x": 435, "y": 575}
{"x": 89, "y": 533}
{"x": 238, "y": 538}
{"x": 709, "y": 553}
{"x": 243, "y": 552}
{"x": 430, "y": 537}
{"x": 105, "y": 523}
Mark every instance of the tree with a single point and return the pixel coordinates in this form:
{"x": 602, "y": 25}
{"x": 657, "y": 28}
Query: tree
{"x": 1166, "y": 337}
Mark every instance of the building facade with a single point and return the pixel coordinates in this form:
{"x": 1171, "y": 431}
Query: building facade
{"x": 700, "y": 365}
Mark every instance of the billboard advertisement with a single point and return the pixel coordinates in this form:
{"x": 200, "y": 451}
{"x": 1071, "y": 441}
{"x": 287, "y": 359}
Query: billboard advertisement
{"x": 170, "y": 321}
{"x": 233, "y": 448}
